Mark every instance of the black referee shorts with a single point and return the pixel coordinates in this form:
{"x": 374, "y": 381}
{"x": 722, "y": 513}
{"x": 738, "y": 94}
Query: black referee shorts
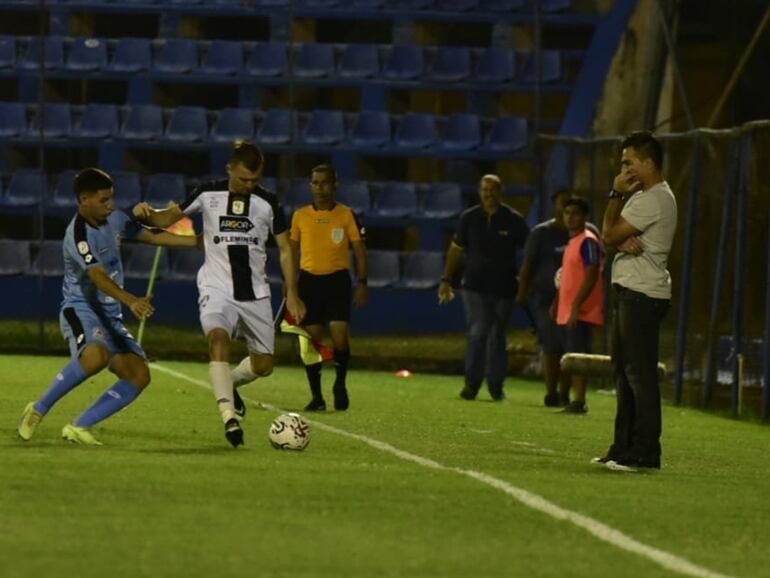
{"x": 326, "y": 297}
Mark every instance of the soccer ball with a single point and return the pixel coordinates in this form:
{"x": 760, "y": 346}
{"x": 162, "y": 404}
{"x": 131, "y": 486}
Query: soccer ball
{"x": 289, "y": 432}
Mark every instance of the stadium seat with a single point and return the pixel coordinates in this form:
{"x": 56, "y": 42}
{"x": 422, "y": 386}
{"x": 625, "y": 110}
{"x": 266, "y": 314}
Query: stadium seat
{"x": 368, "y": 4}
{"x": 319, "y": 3}
{"x": 144, "y": 122}
{"x": 462, "y": 132}
{"x": 56, "y": 120}
{"x": 177, "y": 56}
{"x": 416, "y": 131}
{"x": 325, "y": 128}
{"x": 87, "y": 54}
{"x": 354, "y": 194}
{"x": 268, "y": 59}
{"x": 188, "y": 124}
{"x": 184, "y": 264}
{"x": 405, "y": 63}
{"x": 48, "y": 259}
{"x": 269, "y": 183}
{"x": 496, "y": 64}
{"x": 138, "y": 259}
{"x": 457, "y": 5}
{"x": 410, "y": 4}
{"x": 383, "y": 268}
{"x": 131, "y": 55}
{"x": 314, "y": 61}
{"x": 7, "y": 52}
{"x": 556, "y": 5}
{"x": 551, "y": 66}
{"x": 298, "y": 195}
{"x": 504, "y": 5}
{"x": 443, "y": 201}
{"x": 509, "y": 134}
{"x": 233, "y": 123}
{"x": 53, "y": 53}
{"x": 396, "y": 200}
{"x": 163, "y": 188}
{"x": 224, "y": 57}
{"x": 13, "y": 119}
{"x": 421, "y": 270}
{"x": 14, "y": 257}
{"x": 276, "y": 127}
{"x": 64, "y": 190}
{"x": 371, "y": 129}
{"x": 127, "y": 187}
{"x": 98, "y": 121}
{"x": 360, "y": 61}
{"x": 451, "y": 64}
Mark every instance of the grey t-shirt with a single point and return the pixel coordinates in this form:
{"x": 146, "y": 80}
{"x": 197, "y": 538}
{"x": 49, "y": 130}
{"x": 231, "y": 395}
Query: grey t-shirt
{"x": 653, "y": 212}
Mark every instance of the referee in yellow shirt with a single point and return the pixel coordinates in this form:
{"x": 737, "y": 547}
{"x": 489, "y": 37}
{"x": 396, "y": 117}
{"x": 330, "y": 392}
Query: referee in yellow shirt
{"x": 321, "y": 235}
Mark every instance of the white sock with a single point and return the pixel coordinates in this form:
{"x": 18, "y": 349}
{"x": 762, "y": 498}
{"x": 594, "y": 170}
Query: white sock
{"x": 243, "y": 374}
{"x": 222, "y": 382}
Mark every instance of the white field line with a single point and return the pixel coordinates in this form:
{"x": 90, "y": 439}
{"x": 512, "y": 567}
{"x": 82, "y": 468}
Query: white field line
{"x": 594, "y": 527}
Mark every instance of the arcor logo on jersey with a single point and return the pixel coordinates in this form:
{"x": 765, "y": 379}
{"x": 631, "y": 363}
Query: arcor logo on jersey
{"x": 235, "y": 224}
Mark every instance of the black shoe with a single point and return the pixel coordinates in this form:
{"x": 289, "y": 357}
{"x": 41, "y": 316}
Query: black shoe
{"x": 563, "y": 399}
{"x": 240, "y": 407}
{"x": 234, "y": 433}
{"x": 551, "y": 399}
{"x": 341, "y": 399}
{"x": 316, "y": 404}
{"x": 497, "y": 395}
{"x": 575, "y": 407}
{"x": 468, "y": 393}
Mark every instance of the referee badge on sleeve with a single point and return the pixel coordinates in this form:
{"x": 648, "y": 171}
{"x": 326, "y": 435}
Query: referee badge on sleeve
{"x": 338, "y": 235}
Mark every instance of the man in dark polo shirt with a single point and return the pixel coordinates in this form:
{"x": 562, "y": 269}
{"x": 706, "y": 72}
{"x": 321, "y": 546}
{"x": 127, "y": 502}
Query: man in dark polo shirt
{"x": 490, "y": 235}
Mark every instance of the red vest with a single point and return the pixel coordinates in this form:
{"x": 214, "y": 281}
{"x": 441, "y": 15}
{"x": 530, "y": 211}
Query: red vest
{"x": 573, "y": 272}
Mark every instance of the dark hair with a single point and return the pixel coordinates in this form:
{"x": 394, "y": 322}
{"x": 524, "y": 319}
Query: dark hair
{"x": 248, "y": 154}
{"x": 558, "y": 192}
{"x": 91, "y": 180}
{"x": 645, "y": 145}
{"x": 580, "y": 202}
{"x": 327, "y": 169}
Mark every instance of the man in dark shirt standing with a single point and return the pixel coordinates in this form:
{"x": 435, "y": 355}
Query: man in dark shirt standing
{"x": 490, "y": 235}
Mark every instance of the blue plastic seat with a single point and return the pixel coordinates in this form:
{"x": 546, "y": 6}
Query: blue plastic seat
{"x": 131, "y": 55}
{"x": 396, "y": 200}
{"x": 144, "y": 122}
{"x": 462, "y": 132}
{"x": 232, "y": 124}
{"x": 360, "y": 61}
{"x": 451, "y": 64}
{"x": 177, "y": 56}
{"x": 53, "y": 53}
{"x": 48, "y": 259}
{"x": 371, "y": 129}
{"x": 87, "y": 54}
{"x": 368, "y": 4}
{"x": 443, "y": 201}
{"x": 325, "y": 128}
{"x": 184, "y": 264}
{"x": 224, "y": 57}
{"x": 406, "y": 62}
{"x": 276, "y": 127}
{"x": 13, "y": 119}
{"x": 410, "y": 4}
{"x": 163, "y": 188}
{"x": 64, "y": 190}
{"x": 26, "y": 188}
{"x": 508, "y": 134}
{"x": 268, "y": 59}
{"x": 138, "y": 260}
{"x": 495, "y": 65}
{"x": 421, "y": 270}
{"x": 98, "y": 121}
{"x": 550, "y": 63}
{"x": 505, "y": 5}
{"x": 384, "y": 268}
{"x": 7, "y": 52}
{"x": 55, "y": 118}
{"x": 188, "y": 124}
{"x": 298, "y": 195}
{"x": 457, "y": 5}
{"x": 14, "y": 257}
{"x": 354, "y": 194}
{"x": 415, "y": 131}
{"x": 127, "y": 187}
{"x": 314, "y": 61}
{"x": 556, "y": 5}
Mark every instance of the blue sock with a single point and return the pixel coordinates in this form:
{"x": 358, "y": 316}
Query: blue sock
{"x": 69, "y": 377}
{"x": 111, "y": 402}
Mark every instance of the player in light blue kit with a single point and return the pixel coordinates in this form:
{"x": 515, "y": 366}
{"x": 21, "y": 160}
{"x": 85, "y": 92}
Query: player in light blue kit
{"x": 91, "y": 317}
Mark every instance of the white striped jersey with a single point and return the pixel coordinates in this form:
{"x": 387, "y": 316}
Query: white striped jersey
{"x": 235, "y": 231}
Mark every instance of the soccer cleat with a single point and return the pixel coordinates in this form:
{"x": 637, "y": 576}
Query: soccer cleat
{"x": 79, "y": 435}
{"x": 240, "y": 407}
{"x": 601, "y": 460}
{"x": 468, "y": 393}
{"x": 29, "y": 421}
{"x": 316, "y": 404}
{"x": 619, "y": 467}
{"x": 576, "y": 407}
{"x": 341, "y": 399}
{"x": 564, "y": 399}
{"x": 497, "y": 395}
{"x": 551, "y": 400}
{"x": 234, "y": 433}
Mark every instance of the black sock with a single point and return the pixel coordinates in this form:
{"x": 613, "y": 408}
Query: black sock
{"x": 341, "y": 358}
{"x": 314, "y": 379}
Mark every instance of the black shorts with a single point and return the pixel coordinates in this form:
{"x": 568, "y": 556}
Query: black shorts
{"x": 579, "y": 339}
{"x": 326, "y": 297}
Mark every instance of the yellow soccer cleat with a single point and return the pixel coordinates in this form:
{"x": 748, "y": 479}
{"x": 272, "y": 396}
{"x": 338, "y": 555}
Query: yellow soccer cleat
{"x": 79, "y": 435}
{"x": 30, "y": 419}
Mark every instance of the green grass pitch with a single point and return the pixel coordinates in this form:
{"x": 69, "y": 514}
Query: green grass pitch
{"x": 165, "y": 496}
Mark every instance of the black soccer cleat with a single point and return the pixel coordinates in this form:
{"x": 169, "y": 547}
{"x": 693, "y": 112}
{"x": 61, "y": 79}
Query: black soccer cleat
{"x": 234, "y": 433}
{"x": 240, "y": 407}
{"x": 341, "y": 399}
{"x": 316, "y": 404}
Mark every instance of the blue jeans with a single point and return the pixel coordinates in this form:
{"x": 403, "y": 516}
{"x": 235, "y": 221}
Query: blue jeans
{"x": 485, "y": 355}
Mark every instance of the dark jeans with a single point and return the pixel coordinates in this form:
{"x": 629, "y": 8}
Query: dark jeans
{"x": 485, "y": 355}
{"x": 635, "y": 338}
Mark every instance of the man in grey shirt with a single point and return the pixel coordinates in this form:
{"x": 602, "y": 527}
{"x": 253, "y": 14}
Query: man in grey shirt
{"x": 642, "y": 231}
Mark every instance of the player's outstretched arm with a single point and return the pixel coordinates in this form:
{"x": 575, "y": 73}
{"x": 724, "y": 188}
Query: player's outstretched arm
{"x": 166, "y": 239}
{"x": 139, "y": 306}
{"x": 161, "y": 218}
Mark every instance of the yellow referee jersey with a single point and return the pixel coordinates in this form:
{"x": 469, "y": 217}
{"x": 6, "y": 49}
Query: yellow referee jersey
{"x": 324, "y": 238}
